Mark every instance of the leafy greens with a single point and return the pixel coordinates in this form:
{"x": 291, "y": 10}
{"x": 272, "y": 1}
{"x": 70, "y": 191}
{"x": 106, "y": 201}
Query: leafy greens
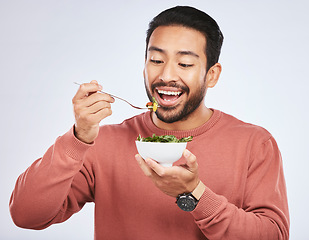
{"x": 164, "y": 139}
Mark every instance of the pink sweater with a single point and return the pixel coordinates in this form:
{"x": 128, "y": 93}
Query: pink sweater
{"x": 240, "y": 164}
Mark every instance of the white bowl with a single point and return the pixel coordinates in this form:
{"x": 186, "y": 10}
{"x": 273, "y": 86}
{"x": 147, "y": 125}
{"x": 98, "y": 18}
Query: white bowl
{"x": 164, "y": 153}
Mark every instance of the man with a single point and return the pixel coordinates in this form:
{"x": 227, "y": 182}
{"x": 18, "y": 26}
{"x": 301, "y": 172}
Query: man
{"x": 228, "y": 185}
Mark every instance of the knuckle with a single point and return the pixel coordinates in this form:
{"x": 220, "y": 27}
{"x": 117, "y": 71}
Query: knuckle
{"x": 108, "y": 105}
{"x": 148, "y": 173}
{"x": 193, "y": 157}
{"x": 162, "y": 184}
{"x": 166, "y": 182}
{"x": 76, "y": 108}
{"x": 75, "y": 99}
{"x": 106, "y": 97}
{"x": 159, "y": 184}
{"x": 82, "y": 87}
{"x": 107, "y": 111}
{"x": 103, "y": 104}
{"x": 161, "y": 173}
{"x": 83, "y": 115}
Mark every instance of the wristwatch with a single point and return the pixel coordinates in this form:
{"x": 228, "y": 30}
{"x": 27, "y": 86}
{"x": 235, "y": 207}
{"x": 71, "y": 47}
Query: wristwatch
{"x": 188, "y": 201}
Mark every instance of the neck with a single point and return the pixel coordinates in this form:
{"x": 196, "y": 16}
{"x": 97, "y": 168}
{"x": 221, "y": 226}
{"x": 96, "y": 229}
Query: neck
{"x": 197, "y": 118}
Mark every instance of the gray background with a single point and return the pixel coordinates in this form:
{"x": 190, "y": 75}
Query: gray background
{"x": 46, "y": 45}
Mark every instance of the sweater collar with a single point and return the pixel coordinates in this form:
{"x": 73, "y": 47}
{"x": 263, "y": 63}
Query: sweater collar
{"x": 180, "y": 134}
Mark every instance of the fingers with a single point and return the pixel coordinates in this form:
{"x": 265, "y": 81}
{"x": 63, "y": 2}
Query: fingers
{"x": 170, "y": 180}
{"x": 97, "y": 106}
{"x": 90, "y": 107}
{"x": 94, "y": 102}
{"x": 191, "y": 161}
{"x": 143, "y": 165}
{"x": 156, "y": 167}
{"x": 151, "y": 167}
{"x": 88, "y": 92}
{"x": 93, "y": 114}
{"x": 86, "y": 88}
{"x": 87, "y": 99}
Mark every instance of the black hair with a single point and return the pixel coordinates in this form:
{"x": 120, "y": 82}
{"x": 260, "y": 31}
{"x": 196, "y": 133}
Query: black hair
{"x": 191, "y": 17}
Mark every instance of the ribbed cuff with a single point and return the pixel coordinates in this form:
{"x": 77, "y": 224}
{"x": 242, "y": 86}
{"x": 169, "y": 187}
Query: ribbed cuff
{"x": 72, "y": 146}
{"x": 208, "y": 205}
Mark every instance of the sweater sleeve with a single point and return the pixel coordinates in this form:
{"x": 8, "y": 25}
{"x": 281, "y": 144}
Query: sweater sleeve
{"x": 264, "y": 214}
{"x": 53, "y": 187}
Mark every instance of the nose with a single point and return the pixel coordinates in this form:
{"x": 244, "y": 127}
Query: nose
{"x": 169, "y": 72}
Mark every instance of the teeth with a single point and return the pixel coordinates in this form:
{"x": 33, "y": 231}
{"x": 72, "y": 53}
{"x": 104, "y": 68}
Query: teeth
{"x": 169, "y": 92}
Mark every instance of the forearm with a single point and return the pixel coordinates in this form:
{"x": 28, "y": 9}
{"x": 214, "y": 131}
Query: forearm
{"x": 41, "y": 193}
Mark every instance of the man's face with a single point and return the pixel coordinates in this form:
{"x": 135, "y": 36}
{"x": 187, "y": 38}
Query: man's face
{"x": 175, "y": 71}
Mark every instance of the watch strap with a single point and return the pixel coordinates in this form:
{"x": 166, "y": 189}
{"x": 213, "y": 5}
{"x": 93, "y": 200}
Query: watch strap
{"x": 199, "y": 190}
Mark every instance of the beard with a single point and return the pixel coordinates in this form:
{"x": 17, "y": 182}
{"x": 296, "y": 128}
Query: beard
{"x": 178, "y": 112}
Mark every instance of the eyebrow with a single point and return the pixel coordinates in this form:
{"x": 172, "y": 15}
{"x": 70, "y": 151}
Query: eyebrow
{"x": 190, "y": 53}
{"x": 156, "y": 49}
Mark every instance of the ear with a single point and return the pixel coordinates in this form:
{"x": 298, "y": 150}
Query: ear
{"x": 213, "y": 75}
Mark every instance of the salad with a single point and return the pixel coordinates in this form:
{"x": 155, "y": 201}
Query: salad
{"x": 164, "y": 139}
{"x": 152, "y": 105}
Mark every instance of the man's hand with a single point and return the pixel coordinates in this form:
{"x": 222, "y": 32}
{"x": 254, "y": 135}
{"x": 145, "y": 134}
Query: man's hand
{"x": 172, "y": 180}
{"x": 90, "y": 107}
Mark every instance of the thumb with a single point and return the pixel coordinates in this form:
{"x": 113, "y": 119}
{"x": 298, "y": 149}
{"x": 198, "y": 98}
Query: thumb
{"x": 191, "y": 160}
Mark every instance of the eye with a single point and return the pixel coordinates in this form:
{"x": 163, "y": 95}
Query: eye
{"x": 156, "y": 61}
{"x": 184, "y": 65}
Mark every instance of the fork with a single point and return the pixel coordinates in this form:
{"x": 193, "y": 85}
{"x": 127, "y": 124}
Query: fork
{"x": 120, "y": 99}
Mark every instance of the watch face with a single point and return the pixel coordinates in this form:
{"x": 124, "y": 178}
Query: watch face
{"x": 186, "y": 203}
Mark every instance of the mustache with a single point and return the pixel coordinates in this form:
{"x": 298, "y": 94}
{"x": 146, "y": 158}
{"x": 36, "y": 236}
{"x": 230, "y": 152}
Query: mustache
{"x": 170, "y": 84}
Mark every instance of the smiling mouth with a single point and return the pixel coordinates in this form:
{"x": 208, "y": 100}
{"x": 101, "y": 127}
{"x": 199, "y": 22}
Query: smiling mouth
{"x": 168, "y": 97}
